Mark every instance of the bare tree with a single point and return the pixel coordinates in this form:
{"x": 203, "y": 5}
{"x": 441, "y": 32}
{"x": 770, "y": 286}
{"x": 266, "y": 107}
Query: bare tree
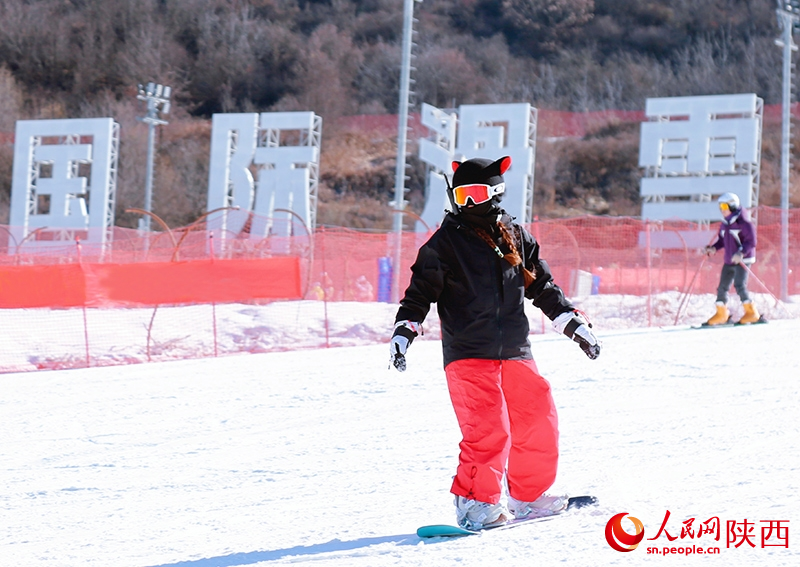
{"x": 540, "y": 27}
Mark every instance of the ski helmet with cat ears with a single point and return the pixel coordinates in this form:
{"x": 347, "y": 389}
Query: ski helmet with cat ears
{"x": 477, "y": 181}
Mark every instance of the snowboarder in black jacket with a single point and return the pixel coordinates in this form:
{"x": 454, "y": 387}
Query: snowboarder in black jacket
{"x": 478, "y": 267}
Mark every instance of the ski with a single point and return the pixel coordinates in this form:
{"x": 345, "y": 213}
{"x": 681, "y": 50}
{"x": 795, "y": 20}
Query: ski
{"x": 718, "y": 326}
{"x": 446, "y": 530}
{"x": 761, "y": 321}
{"x": 731, "y": 323}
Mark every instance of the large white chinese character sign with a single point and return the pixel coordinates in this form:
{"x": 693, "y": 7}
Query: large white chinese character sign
{"x": 694, "y": 149}
{"x": 437, "y": 152}
{"x": 488, "y": 131}
{"x": 230, "y": 180}
{"x": 64, "y": 181}
{"x": 266, "y": 164}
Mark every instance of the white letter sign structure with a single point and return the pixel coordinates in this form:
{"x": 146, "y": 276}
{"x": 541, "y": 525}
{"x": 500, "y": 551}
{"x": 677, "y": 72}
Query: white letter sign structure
{"x": 58, "y": 166}
{"x": 230, "y": 181}
{"x": 694, "y": 149}
{"x": 487, "y": 131}
{"x": 437, "y": 152}
{"x": 283, "y": 148}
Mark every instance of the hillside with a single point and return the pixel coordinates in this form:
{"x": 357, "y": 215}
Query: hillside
{"x": 341, "y": 58}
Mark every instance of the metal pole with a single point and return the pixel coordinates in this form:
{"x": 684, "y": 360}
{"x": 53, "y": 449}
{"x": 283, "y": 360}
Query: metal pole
{"x": 785, "y": 147}
{"x": 402, "y": 140}
{"x": 157, "y": 99}
{"x": 787, "y": 19}
{"x": 148, "y": 182}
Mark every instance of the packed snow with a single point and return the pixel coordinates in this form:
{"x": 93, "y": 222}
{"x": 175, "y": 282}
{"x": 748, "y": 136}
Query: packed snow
{"x": 328, "y": 457}
{"x": 65, "y": 338}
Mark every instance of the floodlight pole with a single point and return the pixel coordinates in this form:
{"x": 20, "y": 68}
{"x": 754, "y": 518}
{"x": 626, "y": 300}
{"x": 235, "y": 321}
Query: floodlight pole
{"x": 788, "y": 17}
{"x": 157, "y": 99}
{"x": 402, "y": 142}
{"x": 148, "y": 180}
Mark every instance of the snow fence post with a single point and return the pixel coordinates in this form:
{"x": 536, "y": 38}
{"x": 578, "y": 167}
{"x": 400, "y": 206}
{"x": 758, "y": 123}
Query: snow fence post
{"x": 649, "y": 277}
{"x": 325, "y": 295}
{"x": 213, "y": 303}
{"x": 83, "y": 307}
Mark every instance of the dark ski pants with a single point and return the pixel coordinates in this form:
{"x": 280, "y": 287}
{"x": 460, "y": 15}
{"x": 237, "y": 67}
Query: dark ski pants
{"x": 737, "y": 275}
{"x": 508, "y": 422}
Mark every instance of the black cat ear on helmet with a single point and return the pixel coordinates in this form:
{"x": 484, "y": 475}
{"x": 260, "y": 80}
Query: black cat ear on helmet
{"x": 478, "y": 180}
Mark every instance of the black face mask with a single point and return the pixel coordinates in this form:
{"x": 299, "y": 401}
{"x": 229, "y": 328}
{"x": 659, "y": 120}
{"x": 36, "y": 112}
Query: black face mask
{"x": 483, "y": 215}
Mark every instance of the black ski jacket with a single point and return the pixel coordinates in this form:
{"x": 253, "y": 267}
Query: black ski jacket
{"x": 478, "y": 294}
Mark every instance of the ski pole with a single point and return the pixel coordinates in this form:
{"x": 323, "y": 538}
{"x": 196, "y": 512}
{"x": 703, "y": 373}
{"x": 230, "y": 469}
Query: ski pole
{"x": 689, "y": 289}
{"x": 697, "y": 273}
{"x": 759, "y": 282}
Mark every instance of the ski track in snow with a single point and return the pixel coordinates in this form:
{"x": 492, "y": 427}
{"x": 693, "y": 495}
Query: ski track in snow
{"x": 327, "y": 457}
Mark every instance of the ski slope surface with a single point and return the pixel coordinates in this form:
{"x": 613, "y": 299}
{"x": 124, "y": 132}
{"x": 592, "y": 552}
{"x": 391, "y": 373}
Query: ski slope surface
{"x": 327, "y": 457}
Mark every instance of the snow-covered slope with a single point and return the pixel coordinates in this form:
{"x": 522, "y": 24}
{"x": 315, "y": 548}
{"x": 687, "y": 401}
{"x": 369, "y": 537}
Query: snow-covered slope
{"x": 327, "y": 457}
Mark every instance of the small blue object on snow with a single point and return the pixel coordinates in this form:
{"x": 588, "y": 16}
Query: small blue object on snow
{"x": 384, "y": 279}
{"x": 595, "y": 285}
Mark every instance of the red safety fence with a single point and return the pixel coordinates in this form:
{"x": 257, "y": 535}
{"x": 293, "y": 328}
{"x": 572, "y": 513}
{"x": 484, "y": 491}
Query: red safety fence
{"x": 200, "y": 291}
{"x": 551, "y": 123}
{"x": 612, "y": 249}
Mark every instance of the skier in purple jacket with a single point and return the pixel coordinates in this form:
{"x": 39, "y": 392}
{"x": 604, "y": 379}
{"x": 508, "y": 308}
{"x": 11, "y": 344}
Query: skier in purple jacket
{"x": 737, "y": 238}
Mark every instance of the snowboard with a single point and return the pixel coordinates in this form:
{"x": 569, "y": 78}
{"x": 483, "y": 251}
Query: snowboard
{"x": 731, "y": 323}
{"x": 445, "y": 530}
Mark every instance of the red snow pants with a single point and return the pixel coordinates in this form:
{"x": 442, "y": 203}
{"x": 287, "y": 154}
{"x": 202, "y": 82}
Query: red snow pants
{"x": 508, "y": 423}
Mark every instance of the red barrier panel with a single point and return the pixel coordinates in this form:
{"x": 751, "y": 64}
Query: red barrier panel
{"x": 55, "y": 285}
{"x": 197, "y": 281}
{"x": 150, "y": 283}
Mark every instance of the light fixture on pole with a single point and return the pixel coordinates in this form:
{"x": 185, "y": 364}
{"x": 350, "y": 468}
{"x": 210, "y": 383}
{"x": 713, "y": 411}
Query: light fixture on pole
{"x": 157, "y": 99}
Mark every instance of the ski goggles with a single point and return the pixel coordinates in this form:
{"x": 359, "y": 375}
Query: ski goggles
{"x": 724, "y": 207}
{"x": 478, "y": 192}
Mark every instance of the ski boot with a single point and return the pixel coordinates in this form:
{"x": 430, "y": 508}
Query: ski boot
{"x": 751, "y": 314}
{"x": 720, "y": 317}
{"x": 543, "y": 506}
{"x": 475, "y": 515}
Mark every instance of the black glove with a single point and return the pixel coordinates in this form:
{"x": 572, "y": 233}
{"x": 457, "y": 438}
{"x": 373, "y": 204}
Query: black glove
{"x": 574, "y": 325}
{"x": 404, "y": 334}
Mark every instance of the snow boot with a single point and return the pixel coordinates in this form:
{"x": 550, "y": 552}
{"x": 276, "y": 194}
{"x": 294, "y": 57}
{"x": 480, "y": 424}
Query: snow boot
{"x": 543, "y": 506}
{"x": 475, "y": 515}
{"x": 720, "y": 317}
{"x": 751, "y": 314}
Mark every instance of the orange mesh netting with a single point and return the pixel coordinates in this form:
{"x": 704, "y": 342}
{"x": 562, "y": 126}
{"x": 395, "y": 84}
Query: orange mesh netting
{"x": 204, "y": 291}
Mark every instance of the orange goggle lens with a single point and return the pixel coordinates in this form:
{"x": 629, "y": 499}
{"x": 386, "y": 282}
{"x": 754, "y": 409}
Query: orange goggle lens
{"x": 724, "y": 207}
{"x": 478, "y": 192}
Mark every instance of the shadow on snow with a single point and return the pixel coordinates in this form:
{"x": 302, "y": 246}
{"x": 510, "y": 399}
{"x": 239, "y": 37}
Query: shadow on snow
{"x": 252, "y": 557}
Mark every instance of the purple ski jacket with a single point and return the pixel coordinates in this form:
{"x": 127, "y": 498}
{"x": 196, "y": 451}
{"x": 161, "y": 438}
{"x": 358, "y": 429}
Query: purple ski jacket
{"x": 737, "y": 234}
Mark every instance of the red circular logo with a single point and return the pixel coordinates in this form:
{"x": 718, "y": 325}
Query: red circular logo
{"x": 617, "y": 537}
